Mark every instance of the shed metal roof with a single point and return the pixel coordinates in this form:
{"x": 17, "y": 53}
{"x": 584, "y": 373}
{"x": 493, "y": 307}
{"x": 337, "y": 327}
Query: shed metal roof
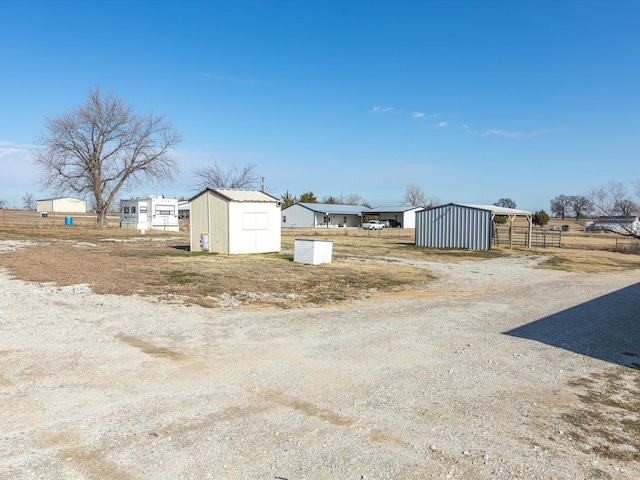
{"x": 239, "y": 195}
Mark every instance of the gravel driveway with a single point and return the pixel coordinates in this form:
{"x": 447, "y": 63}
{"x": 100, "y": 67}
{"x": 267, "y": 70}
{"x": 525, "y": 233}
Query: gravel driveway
{"x": 475, "y": 378}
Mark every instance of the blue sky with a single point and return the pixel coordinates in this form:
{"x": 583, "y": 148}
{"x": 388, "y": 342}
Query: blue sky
{"x": 470, "y": 100}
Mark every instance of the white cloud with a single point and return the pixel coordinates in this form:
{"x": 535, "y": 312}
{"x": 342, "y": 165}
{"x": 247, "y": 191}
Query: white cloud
{"x": 418, "y": 114}
{"x": 503, "y": 133}
{"x": 380, "y": 109}
{"x": 443, "y": 124}
{"x": 211, "y": 75}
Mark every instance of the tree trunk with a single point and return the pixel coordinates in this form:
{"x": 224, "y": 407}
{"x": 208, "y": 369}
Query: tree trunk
{"x": 102, "y": 218}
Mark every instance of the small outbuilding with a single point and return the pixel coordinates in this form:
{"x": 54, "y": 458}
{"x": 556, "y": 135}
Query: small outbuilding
{"x": 234, "y": 221}
{"x": 63, "y": 204}
{"x": 399, "y": 216}
{"x": 458, "y": 225}
{"x": 322, "y": 215}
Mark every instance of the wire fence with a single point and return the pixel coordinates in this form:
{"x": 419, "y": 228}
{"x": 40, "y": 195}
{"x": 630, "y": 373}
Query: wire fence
{"x": 626, "y": 245}
{"x": 517, "y": 236}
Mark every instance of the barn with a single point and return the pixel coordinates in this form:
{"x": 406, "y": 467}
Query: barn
{"x": 405, "y": 216}
{"x": 153, "y": 212}
{"x": 64, "y": 205}
{"x": 234, "y": 221}
{"x": 324, "y": 215}
{"x": 458, "y": 225}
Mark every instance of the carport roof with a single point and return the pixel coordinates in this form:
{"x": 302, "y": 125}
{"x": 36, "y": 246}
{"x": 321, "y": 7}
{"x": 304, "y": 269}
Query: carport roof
{"x": 393, "y": 209}
{"x": 496, "y": 210}
{"x": 333, "y": 208}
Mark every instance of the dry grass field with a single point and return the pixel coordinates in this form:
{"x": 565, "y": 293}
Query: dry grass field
{"x": 119, "y": 261}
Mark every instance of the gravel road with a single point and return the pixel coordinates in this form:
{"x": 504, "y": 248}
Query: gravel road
{"x": 470, "y": 379}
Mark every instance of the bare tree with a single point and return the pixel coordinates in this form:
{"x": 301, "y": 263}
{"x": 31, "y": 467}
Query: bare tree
{"x": 560, "y": 205}
{"x": 3, "y": 204}
{"x": 613, "y": 201}
{"x": 29, "y": 201}
{"x": 581, "y": 205}
{"x": 102, "y": 146}
{"x": 354, "y": 199}
{"x": 414, "y": 195}
{"x": 219, "y": 176}
{"x": 505, "y": 203}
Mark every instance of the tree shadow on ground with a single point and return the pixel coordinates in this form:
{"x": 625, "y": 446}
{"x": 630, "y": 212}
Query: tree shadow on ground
{"x": 606, "y": 328}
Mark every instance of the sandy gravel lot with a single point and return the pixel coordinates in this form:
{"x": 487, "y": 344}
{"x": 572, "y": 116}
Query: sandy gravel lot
{"x": 485, "y": 375}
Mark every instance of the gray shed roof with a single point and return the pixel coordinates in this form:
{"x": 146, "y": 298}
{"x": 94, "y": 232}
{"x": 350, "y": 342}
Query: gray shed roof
{"x": 334, "y": 208}
{"x": 239, "y": 195}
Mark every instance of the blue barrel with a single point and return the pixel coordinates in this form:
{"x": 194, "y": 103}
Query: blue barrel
{"x": 68, "y": 220}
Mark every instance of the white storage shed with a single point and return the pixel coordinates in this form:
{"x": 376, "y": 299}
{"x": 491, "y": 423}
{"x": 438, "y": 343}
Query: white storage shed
{"x": 64, "y": 205}
{"x": 234, "y": 221}
{"x": 153, "y": 212}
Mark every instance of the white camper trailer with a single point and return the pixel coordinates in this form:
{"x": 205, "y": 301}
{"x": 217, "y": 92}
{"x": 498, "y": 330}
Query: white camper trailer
{"x": 151, "y": 213}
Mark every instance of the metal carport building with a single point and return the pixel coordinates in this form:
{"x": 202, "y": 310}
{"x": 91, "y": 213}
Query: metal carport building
{"x": 459, "y": 225}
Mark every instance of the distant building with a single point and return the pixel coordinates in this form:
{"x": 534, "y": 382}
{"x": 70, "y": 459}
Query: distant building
{"x": 617, "y": 224}
{"x": 399, "y": 216}
{"x": 63, "y": 205}
{"x": 150, "y": 213}
{"x": 322, "y": 215}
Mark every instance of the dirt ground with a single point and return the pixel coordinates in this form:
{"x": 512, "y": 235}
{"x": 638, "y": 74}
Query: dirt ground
{"x": 469, "y": 368}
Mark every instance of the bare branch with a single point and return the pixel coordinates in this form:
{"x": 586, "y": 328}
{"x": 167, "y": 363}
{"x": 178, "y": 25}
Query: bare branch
{"x": 217, "y": 176}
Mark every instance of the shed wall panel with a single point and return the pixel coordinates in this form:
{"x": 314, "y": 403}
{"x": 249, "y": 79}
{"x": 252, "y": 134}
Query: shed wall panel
{"x": 199, "y": 221}
{"x": 219, "y": 225}
{"x": 453, "y": 226}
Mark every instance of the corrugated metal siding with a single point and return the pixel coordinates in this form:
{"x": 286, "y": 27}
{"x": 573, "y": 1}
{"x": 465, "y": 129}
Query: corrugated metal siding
{"x": 298, "y": 216}
{"x": 454, "y": 226}
{"x": 199, "y": 221}
{"x": 218, "y": 224}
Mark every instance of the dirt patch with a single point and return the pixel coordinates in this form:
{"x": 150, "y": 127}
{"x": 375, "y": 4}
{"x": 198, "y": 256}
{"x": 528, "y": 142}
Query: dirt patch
{"x": 167, "y": 270}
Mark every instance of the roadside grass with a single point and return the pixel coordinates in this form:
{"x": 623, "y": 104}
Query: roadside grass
{"x": 608, "y": 421}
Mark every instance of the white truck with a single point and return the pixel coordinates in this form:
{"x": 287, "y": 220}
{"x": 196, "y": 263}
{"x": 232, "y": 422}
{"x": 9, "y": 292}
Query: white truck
{"x": 373, "y": 225}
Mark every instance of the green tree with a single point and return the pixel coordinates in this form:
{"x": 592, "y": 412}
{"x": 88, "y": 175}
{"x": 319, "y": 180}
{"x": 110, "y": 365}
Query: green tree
{"x": 330, "y": 199}
{"x": 287, "y": 199}
{"x": 540, "y": 218}
{"x": 308, "y": 197}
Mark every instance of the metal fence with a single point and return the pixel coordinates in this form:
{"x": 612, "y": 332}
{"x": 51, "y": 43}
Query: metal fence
{"x": 519, "y": 237}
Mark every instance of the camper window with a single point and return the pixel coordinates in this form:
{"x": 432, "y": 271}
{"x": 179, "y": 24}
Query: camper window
{"x": 165, "y": 210}
{"x": 125, "y": 209}
{"x": 143, "y": 209}
{"x": 133, "y": 209}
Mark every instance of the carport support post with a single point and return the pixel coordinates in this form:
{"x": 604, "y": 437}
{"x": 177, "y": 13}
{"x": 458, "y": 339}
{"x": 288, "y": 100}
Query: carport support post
{"x": 530, "y": 218}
